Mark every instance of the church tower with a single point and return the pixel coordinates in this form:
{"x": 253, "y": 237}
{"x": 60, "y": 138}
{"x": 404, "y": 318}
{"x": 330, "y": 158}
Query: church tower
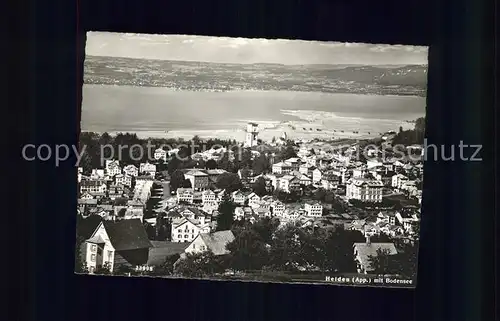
{"x": 251, "y": 135}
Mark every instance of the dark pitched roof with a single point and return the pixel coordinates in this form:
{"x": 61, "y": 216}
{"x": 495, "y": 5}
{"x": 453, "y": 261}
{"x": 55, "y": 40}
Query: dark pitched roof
{"x": 161, "y": 250}
{"x": 87, "y": 226}
{"x": 120, "y": 201}
{"x": 127, "y": 234}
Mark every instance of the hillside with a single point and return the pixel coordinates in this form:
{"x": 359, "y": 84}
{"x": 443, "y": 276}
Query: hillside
{"x": 186, "y": 75}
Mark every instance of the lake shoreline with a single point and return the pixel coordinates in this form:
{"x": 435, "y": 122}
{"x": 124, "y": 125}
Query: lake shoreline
{"x": 158, "y": 112}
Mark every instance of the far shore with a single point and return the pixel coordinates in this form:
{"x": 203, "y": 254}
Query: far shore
{"x": 266, "y": 134}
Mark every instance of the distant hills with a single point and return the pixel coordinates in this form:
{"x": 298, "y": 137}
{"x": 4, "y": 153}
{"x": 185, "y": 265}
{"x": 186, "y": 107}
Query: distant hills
{"x": 194, "y": 75}
{"x": 411, "y": 75}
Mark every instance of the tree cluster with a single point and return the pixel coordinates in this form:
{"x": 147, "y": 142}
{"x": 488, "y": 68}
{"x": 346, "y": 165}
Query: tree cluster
{"x": 121, "y": 147}
{"x": 412, "y": 136}
{"x": 178, "y": 180}
{"x": 259, "y": 187}
{"x": 225, "y": 216}
{"x": 404, "y": 263}
{"x": 266, "y": 246}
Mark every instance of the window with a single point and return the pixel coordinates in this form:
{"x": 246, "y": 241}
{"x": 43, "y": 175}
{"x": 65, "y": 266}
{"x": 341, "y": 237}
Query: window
{"x": 186, "y": 236}
{"x": 110, "y": 255}
{"x": 93, "y": 248}
{"x": 92, "y": 258}
{"x": 99, "y": 251}
{"x": 179, "y": 236}
{"x": 179, "y": 230}
{"x": 91, "y": 269}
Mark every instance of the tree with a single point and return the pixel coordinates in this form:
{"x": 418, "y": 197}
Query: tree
{"x": 248, "y": 251}
{"x": 150, "y": 231}
{"x": 286, "y": 249}
{"x": 199, "y": 265}
{"x": 173, "y": 165}
{"x": 79, "y": 264}
{"x": 211, "y": 164}
{"x": 382, "y": 238}
{"x": 187, "y": 183}
{"x": 226, "y": 213}
{"x": 245, "y": 174}
{"x": 91, "y": 158}
{"x": 407, "y": 260}
{"x": 420, "y": 125}
{"x": 339, "y": 249}
{"x": 121, "y": 213}
{"x": 105, "y": 139}
{"x": 177, "y": 180}
{"x": 265, "y": 228}
{"x": 103, "y": 269}
{"x": 225, "y": 163}
{"x": 161, "y": 166}
{"x": 261, "y": 165}
{"x": 163, "y": 228}
{"x": 259, "y": 187}
{"x": 167, "y": 268}
{"x": 243, "y": 157}
{"x": 384, "y": 263}
{"x": 229, "y": 182}
{"x": 124, "y": 143}
{"x": 338, "y": 205}
{"x": 288, "y": 152}
{"x": 86, "y": 162}
{"x": 416, "y": 230}
{"x": 320, "y": 194}
{"x": 329, "y": 197}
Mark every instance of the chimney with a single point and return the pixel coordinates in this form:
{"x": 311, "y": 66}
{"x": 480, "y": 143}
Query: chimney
{"x": 368, "y": 241}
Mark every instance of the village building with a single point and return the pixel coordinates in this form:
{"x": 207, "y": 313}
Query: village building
{"x": 238, "y": 197}
{"x": 313, "y": 209}
{"x": 131, "y": 170}
{"x": 199, "y": 180}
{"x": 113, "y": 168}
{"x": 278, "y": 209}
{"x": 215, "y": 242}
{"x": 94, "y": 187}
{"x": 186, "y": 229}
{"x": 115, "y": 191}
{"x": 254, "y": 200}
{"x": 147, "y": 169}
{"x": 97, "y": 174}
{"x": 316, "y": 176}
{"x": 116, "y": 243}
{"x": 281, "y": 168}
{"x": 398, "y": 180}
{"x": 208, "y": 196}
{"x": 185, "y": 195}
{"x": 288, "y": 183}
{"x": 365, "y": 190}
{"x": 160, "y": 154}
{"x": 123, "y": 179}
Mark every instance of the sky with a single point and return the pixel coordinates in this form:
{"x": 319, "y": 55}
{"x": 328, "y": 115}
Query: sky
{"x": 246, "y": 51}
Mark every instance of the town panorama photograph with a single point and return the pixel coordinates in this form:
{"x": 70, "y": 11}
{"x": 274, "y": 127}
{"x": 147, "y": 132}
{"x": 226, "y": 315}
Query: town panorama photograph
{"x": 263, "y": 160}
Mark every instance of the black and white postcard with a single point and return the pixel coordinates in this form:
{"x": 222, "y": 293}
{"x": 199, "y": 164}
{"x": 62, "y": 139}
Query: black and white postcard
{"x": 265, "y": 160}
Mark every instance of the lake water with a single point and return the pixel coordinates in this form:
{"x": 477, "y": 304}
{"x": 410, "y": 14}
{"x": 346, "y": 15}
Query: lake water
{"x": 153, "y": 111}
